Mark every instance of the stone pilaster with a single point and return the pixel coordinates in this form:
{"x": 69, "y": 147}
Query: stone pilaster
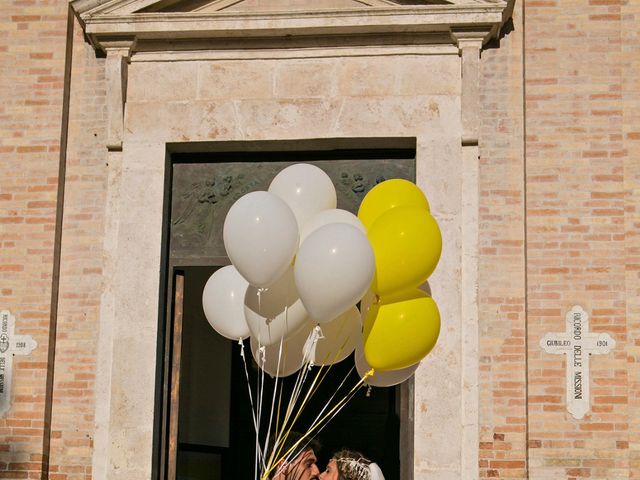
{"x": 469, "y": 43}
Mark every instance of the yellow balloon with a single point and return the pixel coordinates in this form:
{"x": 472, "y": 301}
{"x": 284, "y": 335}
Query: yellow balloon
{"x": 402, "y": 333}
{"x": 370, "y": 319}
{"x": 387, "y": 195}
{"x": 375, "y": 302}
{"x": 407, "y": 244}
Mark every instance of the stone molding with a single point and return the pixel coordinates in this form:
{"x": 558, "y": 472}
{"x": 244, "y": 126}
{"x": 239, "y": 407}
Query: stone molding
{"x": 101, "y": 21}
{"x": 469, "y": 42}
{"x": 133, "y": 6}
{"x": 119, "y": 29}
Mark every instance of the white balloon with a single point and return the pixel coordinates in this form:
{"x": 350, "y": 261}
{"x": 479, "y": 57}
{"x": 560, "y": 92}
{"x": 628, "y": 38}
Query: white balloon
{"x": 333, "y": 270}
{"x": 223, "y": 303}
{"x": 306, "y": 188}
{"x": 340, "y": 337}
{"x": 261, "y": 237}
{"x": 325, "y": 217}
{"x": 274, "y": 312}
{"x": 387, "y": 378}
{"x": 292, "y": 356}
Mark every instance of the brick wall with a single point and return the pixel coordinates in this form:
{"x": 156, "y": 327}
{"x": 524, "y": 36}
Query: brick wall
{"x": 72, "y": 427}
{"x": 581, "y": 62}
{"x": 502, "y": 280}
{"x": 576, "y": 230}
{"x": 630, "y": 57}
{"x": 32, "y": 57}
{"x": 32, "y": 48}
{"x": 582, "y": 244}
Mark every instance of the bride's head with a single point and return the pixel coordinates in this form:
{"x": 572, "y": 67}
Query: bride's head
{"x": 348, "y": 465}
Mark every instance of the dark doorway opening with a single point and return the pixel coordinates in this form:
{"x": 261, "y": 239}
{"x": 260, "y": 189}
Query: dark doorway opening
{"x": 216, "y": 436}
{"x": 204, "y": 425}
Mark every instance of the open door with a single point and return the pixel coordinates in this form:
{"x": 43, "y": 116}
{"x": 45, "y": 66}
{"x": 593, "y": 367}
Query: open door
{"x": 169, "y": 450}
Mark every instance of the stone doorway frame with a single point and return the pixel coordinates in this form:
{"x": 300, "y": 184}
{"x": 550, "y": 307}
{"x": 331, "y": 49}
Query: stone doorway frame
{"x": 174, "y": 292}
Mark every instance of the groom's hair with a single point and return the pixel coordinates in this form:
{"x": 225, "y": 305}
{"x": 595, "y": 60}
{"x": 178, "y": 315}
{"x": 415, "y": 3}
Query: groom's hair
{"x": 289, "y": 442}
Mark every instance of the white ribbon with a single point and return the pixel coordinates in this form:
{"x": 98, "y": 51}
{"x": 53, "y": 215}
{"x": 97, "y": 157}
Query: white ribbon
{"x": 309, "y": 349}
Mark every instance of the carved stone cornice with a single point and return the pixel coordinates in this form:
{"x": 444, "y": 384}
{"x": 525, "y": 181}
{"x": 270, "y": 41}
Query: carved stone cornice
{"x": 104, "y": 20}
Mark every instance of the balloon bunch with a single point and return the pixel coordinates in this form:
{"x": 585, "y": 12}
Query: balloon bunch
{"x": 299, "y": 268}
{"x": 401, "y": 322}
{"x": 297, "y": 262}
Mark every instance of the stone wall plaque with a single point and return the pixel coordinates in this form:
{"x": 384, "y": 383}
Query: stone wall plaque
{"x": 10, "y": 345}
{"x": 578, "y": 344}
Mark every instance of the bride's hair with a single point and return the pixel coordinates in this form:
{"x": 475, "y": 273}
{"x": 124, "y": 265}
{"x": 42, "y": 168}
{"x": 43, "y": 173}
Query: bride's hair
{"x": 352, "y": 465}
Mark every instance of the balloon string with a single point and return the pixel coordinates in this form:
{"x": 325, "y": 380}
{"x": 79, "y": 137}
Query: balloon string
{"x": 310, "y": 344}
{"x": 309, "y": 349}
{"x": 253, "y": 407}
{"x": 324, "y": 363}
{"x": 295, "y": 395}
{"x": 300, "y": 379}
{"x": 279, "y": 440}
{"x": 262, "y": 357}
{"x": 273, "y": 403}
{"x": 315, "y": 384}
{"x": 309, "y": 354}
{"x": 340, "y": 405}
{"x": 348, "y": 399}
{"x": 333, "y": 395}
{"x": 278, "y": 433}
{"x": 311, "y": 391}
{"x": 259, "y": 295}
{"x": 336, "y": 354}
{"x": 344, "y": 404}
{"x": 313, "y": 388}
{"x": 278, "y": 413}
{"x": 246, "y": 372}
{"x": 286, "y": 427}
{"x": 334, "y": 411}
{"x": 286, "y": 316}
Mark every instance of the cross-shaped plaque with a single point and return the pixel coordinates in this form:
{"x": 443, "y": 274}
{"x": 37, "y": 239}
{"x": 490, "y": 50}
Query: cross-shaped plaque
{"x": 577, "y": 343}
{"x": 10, "y": 345}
